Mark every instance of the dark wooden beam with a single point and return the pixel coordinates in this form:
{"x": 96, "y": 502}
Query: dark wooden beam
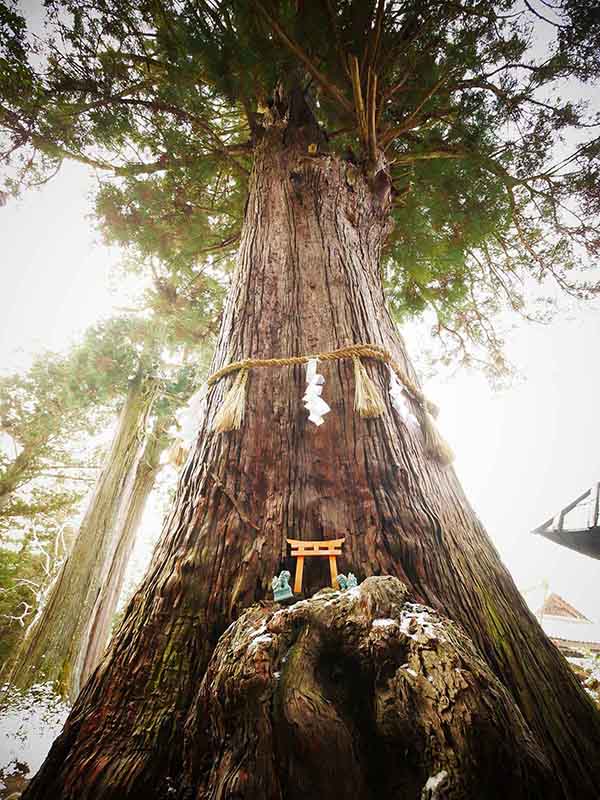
{"x": 570, "y": 507}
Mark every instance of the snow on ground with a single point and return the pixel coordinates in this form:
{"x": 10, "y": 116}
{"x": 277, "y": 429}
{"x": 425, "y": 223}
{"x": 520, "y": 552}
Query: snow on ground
{"x": 587, "y": 670}
{"x": 29, "y": 723}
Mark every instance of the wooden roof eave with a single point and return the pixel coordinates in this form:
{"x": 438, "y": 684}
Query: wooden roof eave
{"x": 585, "y": 541}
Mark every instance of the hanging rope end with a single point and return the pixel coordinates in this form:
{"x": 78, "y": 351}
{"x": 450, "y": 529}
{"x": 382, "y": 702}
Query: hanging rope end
{"x": 230, "y": 415}
{"x": 367, "y": 398}
{"x": 436, "y": 446}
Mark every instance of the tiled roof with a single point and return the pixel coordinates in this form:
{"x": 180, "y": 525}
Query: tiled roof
{"x": 555, "y": 606}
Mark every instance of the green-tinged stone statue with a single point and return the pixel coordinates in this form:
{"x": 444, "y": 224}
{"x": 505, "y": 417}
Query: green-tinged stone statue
{"x": 281, "y": 587}
{"x": 348, "y": 582}
{"x": 352, "y": 582}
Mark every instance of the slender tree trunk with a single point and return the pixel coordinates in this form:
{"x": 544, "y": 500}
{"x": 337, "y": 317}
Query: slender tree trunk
{"x": 128, "y": 522}
{"x": 308, "y": 280}
{"x": 55, "y": 648}
{"x": 13, "y": 476}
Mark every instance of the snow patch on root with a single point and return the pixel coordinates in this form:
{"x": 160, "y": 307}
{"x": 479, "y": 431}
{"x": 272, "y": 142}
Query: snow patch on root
{"x": 417, "y": 623}
{"x": 259, "y": 642}
{"x": 433, "y": 785}
{"x": 383, "y": 623}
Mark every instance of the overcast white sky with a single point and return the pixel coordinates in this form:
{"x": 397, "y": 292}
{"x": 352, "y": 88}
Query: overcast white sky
{"x": 522, "y": 453}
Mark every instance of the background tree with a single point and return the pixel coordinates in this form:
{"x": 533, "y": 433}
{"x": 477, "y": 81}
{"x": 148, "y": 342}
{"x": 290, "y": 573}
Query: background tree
{"x": 30, "y": 555}
{"x": 59, "y": 401}
{"x": 131, "y": 510}
{"x": 44, "y": 410}
{"x": 71, "y": 629}
{"x": 49, "y": 460}
{"x": 350, "y": 116}
{"x": 55, "y": 643}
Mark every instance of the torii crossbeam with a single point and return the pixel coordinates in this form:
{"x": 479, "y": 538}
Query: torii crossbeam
{"x": 330, "y": 548}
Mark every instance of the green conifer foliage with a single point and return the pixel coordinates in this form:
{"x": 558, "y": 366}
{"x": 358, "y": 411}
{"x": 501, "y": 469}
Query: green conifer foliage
{"x": 49, "y": 457}
{"x": 471, "y": 107}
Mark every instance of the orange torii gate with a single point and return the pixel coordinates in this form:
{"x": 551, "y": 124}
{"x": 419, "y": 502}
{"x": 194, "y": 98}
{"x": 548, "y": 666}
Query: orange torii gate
{"x": 331, "y": 548}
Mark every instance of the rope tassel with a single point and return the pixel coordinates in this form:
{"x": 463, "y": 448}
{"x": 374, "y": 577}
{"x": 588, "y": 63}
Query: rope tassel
{"x": 436, "y": 446}
{"x": 231, "y": 413}
{"x": 367, "y": 398}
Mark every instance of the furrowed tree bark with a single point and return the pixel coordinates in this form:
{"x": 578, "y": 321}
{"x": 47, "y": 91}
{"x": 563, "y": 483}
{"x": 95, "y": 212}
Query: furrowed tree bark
{"x": 129, "y": 518}
{"x": 308, "y": 280}
{"x": 55, "y": 648}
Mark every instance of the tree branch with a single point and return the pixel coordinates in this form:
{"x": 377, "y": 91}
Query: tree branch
{"x": 295, "y": 48}
{"x": 411, "y": 121}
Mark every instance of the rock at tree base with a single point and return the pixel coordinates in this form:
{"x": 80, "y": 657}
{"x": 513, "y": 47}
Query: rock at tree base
{"x": 357, "y": 694}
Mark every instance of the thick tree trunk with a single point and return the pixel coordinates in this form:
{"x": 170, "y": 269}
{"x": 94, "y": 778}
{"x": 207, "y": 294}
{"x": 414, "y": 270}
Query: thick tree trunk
{"x": 55, "y": 648}
{"x": 308, "y": 280}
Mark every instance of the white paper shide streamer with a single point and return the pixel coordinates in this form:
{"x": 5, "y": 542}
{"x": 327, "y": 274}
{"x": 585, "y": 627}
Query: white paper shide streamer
{"x": 313, "y": 402}
{"x": 189, "y": 419}
{"x": 400, "y": 401}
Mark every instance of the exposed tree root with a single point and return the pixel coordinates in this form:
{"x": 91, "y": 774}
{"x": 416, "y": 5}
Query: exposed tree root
{"x": 358, "y": 694}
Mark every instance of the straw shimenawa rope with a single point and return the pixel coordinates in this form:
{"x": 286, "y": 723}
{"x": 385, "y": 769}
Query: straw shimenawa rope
{"x": 352, "y": 351}
{"x": 367, "y": 400}
{"x": 231, "y": 413}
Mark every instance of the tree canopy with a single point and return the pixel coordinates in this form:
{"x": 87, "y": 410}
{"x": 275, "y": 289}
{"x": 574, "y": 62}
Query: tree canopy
{"x": 471, "y": 108}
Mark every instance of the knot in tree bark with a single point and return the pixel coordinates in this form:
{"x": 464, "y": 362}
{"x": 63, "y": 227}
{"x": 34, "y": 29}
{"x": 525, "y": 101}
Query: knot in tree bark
{"x": 359, "y": 694}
